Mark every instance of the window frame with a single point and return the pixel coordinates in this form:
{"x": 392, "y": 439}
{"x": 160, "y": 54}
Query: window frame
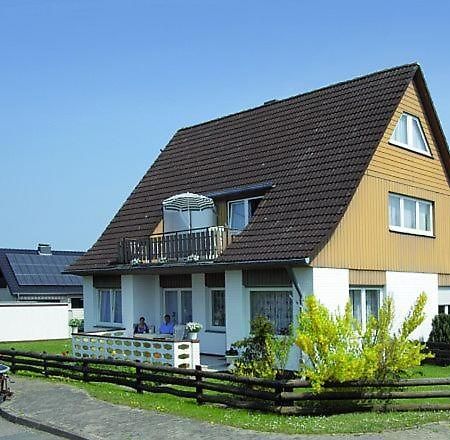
{"x": 209, "y": 322}
{"x": 179, "y": 291}
{"x": 269, "y": 289}
{"x": 246, "y": 205}
{"x": 409, "y": 135}
{"x": 411, "y": 231}
{"x": 363, "y": 290}
{"x": 110, "y": 323}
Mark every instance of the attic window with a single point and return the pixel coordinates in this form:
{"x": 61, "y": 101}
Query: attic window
{"x": 409, "y": 134}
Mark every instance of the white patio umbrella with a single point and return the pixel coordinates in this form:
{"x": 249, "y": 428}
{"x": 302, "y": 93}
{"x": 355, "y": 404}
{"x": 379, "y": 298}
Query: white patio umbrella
{"x": 187, "y": 203}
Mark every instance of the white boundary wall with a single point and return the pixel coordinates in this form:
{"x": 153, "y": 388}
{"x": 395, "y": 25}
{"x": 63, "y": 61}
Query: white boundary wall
{"x": 33, "y": 321}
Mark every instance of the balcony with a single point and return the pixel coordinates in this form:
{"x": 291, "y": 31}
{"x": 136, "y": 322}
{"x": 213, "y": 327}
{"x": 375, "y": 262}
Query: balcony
{"x": 203, "y": 244}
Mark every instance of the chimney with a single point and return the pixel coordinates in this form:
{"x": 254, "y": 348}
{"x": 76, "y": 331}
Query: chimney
{"x": 44, "y": 249}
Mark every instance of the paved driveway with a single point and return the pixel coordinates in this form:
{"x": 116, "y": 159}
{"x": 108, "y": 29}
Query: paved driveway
{"x": 73, "y": 410}
{"x": 12, "y": 431}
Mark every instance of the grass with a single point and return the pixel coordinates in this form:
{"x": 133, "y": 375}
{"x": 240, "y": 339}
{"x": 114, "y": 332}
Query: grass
{"x": 343, "y": 423}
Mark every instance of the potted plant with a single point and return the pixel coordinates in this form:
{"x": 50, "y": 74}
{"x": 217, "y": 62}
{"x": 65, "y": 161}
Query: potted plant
{"x": 76, "y": 324}
{"x": 192, "y": 329}
{"x": 231, "y": 355}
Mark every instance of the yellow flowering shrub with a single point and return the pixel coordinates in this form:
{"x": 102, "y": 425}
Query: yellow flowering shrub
{"x": 339, "y": 351}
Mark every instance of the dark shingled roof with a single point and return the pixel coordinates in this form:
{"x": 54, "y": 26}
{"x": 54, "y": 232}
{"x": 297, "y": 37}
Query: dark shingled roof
{"x": 25, "y": 271}
{"x": 313, "y": 148}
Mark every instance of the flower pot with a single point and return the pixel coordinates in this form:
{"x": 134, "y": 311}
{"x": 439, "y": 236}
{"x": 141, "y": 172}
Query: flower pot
{"x": 74, "y": 329}
{"x": 193, "y": 336}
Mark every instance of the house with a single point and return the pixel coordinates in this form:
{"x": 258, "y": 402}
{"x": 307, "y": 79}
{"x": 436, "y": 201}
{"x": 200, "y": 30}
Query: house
{"x": 342, "y": 192}
{"x": 36, "y": 299}
{"x": 36, "y": 275}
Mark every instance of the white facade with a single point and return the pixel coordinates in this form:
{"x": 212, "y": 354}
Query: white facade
{"x": 143, "y": 296}
{"x": 404, "y": 288}
{"x": 33, "y": 321}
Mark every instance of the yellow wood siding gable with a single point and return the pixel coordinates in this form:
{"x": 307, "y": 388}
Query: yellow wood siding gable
{"x": 362, "y": 239}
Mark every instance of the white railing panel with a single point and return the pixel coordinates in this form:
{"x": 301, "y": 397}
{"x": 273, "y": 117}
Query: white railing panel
{"x": 114, "y": 345}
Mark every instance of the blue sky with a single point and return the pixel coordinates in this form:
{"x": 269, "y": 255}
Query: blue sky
{"x": 90, "y": 90}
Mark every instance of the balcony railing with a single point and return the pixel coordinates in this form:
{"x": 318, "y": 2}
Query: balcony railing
{"x": 202, "y": 244}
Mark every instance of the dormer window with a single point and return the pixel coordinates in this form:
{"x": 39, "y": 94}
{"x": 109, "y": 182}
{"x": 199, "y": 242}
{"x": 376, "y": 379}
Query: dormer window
{"x": 409, "y": 134}
{"x": 240, "y": 212}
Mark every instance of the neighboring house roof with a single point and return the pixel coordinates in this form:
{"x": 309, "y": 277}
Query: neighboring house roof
{"x": 313, "y": 149}
{"x": 27, "y": 272}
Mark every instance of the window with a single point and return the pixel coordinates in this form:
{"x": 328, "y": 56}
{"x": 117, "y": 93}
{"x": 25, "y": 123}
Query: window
{"x": 178, "y": 304}
{"x": 275, "y": 306}
{"x": 216, "y": 309}
{"x": 76, "y": 303}
{"x": 365, "y": 302}
{"x": 410, "y": 215}
{"x": 240, "y": 212}
{"x": 444, "y": 308}
{"x": 110, "y": 306}
{"x": 409, "y": 134}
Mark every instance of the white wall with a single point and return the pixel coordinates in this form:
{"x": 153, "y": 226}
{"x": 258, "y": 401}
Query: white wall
{"x": 404, "y": 288}
{"x": 211, "y": 342}
{"x": 140, "y": 297}
{"x": 33, "y": 321}
{"x": 89, "y": 304}
{"x": 331, "y": 287}
{"x": 237, "y": 313}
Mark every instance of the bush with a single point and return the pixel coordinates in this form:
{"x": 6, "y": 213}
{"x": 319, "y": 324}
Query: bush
{"x": 281, "y": 346}
{"x": 339, "y": 351}
{"x": 440, "y": 331}
{"x": 75, "y": 322}
{"x": 257, "y": 357}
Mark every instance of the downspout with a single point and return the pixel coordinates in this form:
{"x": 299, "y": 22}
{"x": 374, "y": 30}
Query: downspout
{"x": 291, "y": 274}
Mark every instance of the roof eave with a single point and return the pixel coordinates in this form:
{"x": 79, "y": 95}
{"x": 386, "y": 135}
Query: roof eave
{"x": 199, "y": 267}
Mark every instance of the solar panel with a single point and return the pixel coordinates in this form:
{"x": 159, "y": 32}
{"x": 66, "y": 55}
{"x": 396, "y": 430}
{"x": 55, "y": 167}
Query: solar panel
{"x": 42, "y": 270}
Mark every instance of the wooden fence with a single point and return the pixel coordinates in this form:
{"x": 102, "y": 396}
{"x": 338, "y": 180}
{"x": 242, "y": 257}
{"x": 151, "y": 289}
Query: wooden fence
{"x": 441, "y": 353}
{"x": 277, "y": 396}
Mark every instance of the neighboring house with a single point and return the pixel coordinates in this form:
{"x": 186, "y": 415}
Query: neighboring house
{"x": 36, "y": 275}
{"x": 342, "y": 192}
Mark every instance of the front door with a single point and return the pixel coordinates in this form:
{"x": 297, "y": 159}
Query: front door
{"x": 178, "y": 304}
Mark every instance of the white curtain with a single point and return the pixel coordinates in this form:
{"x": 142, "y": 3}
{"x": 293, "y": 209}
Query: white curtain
{"x": 105, "y": 306}
{"x": 372, "y": 303}
{"x": 394, "y": 211}
{"x": 118, "y": 306}
{"x": 418, "y": 141}
{"x": 401, "y": 131}
{"x": 237, "y": 215}
{"x": 409, "y": 213}
{"x": 355, "y": 299}
{"x": 275, "y": 306}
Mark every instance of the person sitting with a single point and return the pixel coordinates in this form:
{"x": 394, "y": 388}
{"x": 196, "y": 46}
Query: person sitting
{"x": 167, "y": 326}
{"x": 142, "y": 327}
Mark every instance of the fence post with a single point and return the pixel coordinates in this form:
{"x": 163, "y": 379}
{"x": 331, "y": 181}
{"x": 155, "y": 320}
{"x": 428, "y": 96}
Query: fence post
{"x": 44, "y": 358}
{"x": 139, "y": 379}
{"x": 85, "y": 371}
{"x": 13, "y": 361}
{"x": 279, "y": 389}
{"x": 198, "y": 384}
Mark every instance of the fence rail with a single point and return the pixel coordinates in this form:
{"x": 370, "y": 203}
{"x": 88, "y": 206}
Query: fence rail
{"x": 278, "y": 396}
{"x": 192, "y": 245}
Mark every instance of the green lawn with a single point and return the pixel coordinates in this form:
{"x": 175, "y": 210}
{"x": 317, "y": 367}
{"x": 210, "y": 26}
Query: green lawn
{"x": 344, "y": 423}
